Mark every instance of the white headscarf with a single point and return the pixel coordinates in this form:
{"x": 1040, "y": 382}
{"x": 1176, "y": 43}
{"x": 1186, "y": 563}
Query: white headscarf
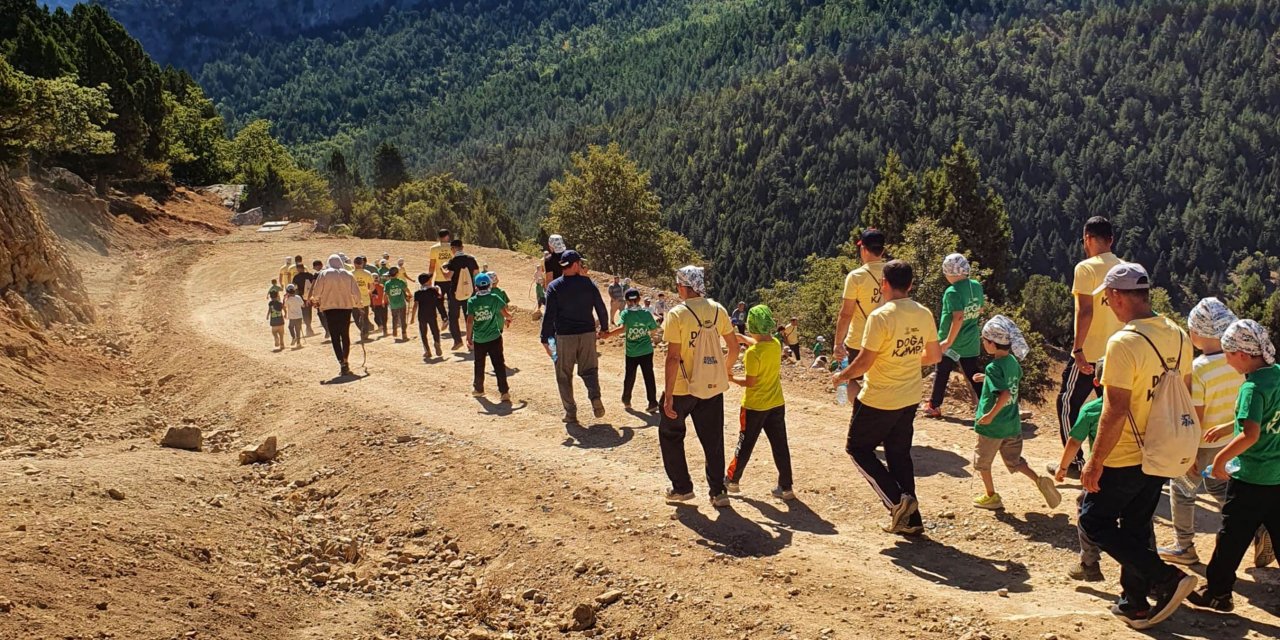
{"x": 335, "y": 261}
{"x": 955, "y": 265}
{"x": 556, "y": 242}
{"x": 1210, "y": 318}
{"x": 1002, "y": 330}
{"x": 1247, "y": 336}
{"x": 693, "y": 277}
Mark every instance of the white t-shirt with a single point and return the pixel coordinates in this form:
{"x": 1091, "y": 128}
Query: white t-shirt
{"x": 293, "y": 307}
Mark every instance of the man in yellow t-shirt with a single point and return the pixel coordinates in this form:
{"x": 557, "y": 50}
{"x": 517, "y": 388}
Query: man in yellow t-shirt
{"x": 439, "y": 255}
{"x": 696, "y": 377}
{"x": 900, "y": 338}
{"x": 861, "y": 297}
{"x": 1094, "y": 323}
{"x": 1120, "y": 500}
{"x": 364, "y": 283}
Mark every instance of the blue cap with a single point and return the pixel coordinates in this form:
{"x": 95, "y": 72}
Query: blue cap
{"x": 569, "y": 257}
{"x": 483, "y": 281}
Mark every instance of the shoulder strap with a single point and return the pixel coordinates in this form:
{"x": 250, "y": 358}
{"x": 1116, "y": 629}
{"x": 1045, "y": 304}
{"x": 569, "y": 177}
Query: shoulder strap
{"x": 1160, "y": 355}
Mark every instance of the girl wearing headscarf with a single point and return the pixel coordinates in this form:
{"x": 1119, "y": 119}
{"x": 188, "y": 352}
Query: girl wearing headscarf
{"x": 763, "y": 408}
{"x": 336, "y": 294}
{"x": 999, "y": 423}
{"x": 1250, "y": 462}
{"x": 957, "y": 330}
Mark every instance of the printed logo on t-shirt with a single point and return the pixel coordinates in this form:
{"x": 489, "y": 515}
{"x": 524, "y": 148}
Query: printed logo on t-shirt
{"x": 636, "y": 333}
{"x": 973, "y": 309}
{"x": 483, "y": 313}
{"x": 1273, "y": 425}
{"x": 911, "y": 345}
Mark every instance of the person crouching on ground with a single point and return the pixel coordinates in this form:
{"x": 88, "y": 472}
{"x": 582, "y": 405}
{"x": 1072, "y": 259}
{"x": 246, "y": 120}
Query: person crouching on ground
{"x": 763, "y": 408}
{"x": 999, "y": 423}
{"x": 487, "y": 314}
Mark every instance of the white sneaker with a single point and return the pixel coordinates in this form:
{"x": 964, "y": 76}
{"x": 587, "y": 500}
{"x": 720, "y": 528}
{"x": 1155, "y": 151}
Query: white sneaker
{"x": 477, "y": 394}
{"x": 1049, "y": 489}
{"x": 783, "y": 494}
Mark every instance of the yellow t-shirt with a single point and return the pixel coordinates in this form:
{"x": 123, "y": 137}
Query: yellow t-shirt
{"x": 1214, "y": 386}
{"x": 364, "y": 282}
{"x": 897, "y": 332}
{"x": 1089, "y": 275}
{"x": 1133, "y": 365}
{"x": 863, "y": 285}
{"x": 790, "y": 333}
{"x": 679, "y": 326}
{"x": 442, "y": 254}
{"x": 763, "y": 361}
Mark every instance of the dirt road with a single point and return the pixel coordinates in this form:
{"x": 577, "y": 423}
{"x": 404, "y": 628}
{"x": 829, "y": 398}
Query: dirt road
{"x": 489, "y": 501}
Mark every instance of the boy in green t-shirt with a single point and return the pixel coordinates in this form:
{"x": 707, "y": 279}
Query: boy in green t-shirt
{"x": 999, "y": 424}
{"x": 638, "y": 324}
{"x": 275, "y": 318}
{"x": 763, "y": 408}
{"x": 487, "y": 315}
{"x": 958, "y": 331}
{"x": 1253, "y": 487}
{"x": 1084, "y": 430}
{"x": 397, "y": 292}
{"x": 819, "y": 353}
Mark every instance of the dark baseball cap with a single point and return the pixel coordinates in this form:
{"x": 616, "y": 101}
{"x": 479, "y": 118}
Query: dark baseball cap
{"x": 569, "y": 257}
{"x": 632, "y": 294}
{"x": 871, "y": 239}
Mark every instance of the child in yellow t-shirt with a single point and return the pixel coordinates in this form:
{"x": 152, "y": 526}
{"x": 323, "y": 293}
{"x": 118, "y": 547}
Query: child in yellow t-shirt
{"x": 763, "y": 407}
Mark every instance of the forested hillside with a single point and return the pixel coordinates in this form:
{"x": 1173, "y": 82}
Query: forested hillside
{"x": 764, "y": 123}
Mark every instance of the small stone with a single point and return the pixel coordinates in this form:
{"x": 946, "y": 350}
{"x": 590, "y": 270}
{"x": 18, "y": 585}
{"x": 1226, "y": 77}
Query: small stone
{"x": 265, "y": 452}
{"x": 6, "y": 605}
{"x": 1002, "y": 592}
{"x": 581, "y": 567}
{"x": 101, "y": 606}
{"x": 186, "y": 438}
{"x": 478, "y": 634}
{"x": 403, "y": 438}
{"x": 581, "y": 618}
{"x": 609, "y": 597}
{"x": 115, "y": 494}
{"x": 529, "y": 594}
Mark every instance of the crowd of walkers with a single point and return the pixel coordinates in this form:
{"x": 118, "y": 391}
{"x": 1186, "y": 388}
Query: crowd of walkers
{"x": 1161, "y": 417}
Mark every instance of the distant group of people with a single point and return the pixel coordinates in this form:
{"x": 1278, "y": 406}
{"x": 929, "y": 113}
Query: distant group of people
{"x": 1211, "y": 422}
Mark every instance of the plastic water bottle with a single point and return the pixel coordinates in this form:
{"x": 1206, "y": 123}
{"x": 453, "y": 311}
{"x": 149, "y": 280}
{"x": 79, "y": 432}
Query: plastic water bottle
{"x": 842, "y": 391}
{"x": 1233, "y": 465}
{"x": 551, "y": 342}
{"x": 953, "y": 354}
{"x": 1190, "y": 484}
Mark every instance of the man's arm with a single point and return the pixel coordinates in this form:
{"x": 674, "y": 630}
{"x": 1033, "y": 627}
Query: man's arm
{"x": 847, "y": 309}
{"x": 602, "y": 312}
{"x": 549, "y": 313}
{"x": 1083, "y": 318}
{"x": 858, "y": 368}
{"x": 1115, "y": 412}
{"x": 670, "y": 370}
{"x": 731, "y": 341}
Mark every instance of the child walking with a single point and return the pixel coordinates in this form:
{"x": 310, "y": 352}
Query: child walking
{"x": 763, "y": 407}
{"x": 999, "y": 423}
{"x": 275, "y": 318}
{"x": 1085, "y": 429}
{"x": 397, "y": 293}
{"x": 639, "y": 325}
{"x": 293, "y": 307}
{"x": 487, "y": 314}
{"x": 1253, "y": 486}
{"x": 426, "y": 306}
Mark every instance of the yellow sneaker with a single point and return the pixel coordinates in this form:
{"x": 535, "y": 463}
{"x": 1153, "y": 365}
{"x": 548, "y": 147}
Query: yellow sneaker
{"x": 988, "y": 502}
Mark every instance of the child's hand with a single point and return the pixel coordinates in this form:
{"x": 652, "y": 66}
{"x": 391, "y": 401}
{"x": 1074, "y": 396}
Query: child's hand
{"x": 1219, "y": 432}
{"x": 1219, "y": 470}
{"x": 986, "y": 418}
{"x": 979, "y": 377}
{"x": 1061, "y": 475}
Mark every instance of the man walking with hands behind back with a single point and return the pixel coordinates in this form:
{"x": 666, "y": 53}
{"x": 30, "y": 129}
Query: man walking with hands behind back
{"x": 1094, "y": 324}
{"x": 696, "y": 377}
{"x": 900, "y": 339}
{"x": 571, "y": 299}
{"x": 1121, "y": 498}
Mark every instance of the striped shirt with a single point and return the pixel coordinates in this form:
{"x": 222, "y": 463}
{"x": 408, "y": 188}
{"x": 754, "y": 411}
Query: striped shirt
{"x": 1214, "y": 385}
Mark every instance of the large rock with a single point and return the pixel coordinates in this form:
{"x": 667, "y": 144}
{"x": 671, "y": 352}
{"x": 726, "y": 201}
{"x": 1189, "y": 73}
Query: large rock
{"x": 67, "y": 182}
{"x": 581, "y": 618}
{"x": 187, "y": 437}
{"x": 248, "y": 218}
{"x": 229, "y": 194}
{"x": 265, "y": 452}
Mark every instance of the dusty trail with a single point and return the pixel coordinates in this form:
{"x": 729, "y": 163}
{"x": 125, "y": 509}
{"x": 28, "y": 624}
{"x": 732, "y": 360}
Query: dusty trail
{"x": 407, "y": 449}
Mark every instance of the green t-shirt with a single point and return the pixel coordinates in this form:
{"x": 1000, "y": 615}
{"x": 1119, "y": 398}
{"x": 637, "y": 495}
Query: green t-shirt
{"x": 396, "y": 291}
{"x": 487, "y": 313}
{"x": 819, "y": 348}
{"x": 1003, "y": 374}
{"x": 1259, "y": 401}
{"x": 501, "y": 294}
{"x": 637, "y": 323}
{"x": 1086, "y": 427}
{"x": 965, "y": 296}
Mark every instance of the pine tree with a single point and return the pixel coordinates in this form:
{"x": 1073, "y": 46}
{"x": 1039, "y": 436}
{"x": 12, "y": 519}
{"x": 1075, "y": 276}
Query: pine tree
{"x": 955, "y": 195}
{"x": 892, "y": 205}
{"x": 388, "y": 168}
{"x": 37, "y": 54}
{"x": 342, "y": 187}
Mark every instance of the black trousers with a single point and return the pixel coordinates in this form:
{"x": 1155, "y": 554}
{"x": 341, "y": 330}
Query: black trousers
{"x": 492, "y": 350}
{"x": 795, "y": 349}
{"x": 455, "y": 315}
{"x": 306, "y": 318}
{"x": 427, "y": 322}
{"x": 361, "y": 318}
{"x": 338, "y": 322}
{"x": 1077, "y": 386}
{"x": 968, "y": 365}
{"x": 1117, "y": 518}
{"x": 645, "y": 364}
{"x": 708, "y": 424}
{"x": 1248, "y": 506}
{"x": 380, "y": 317}
{"x": 773, "y": 423}
{"x": 446, "y": 294}
{"x": 893, "y": 429}
{"x": 324, "y": 323}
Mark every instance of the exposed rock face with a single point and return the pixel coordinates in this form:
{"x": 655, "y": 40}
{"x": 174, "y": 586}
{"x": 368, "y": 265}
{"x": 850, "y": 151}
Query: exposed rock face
{"x": 36, "y": 278}
{"x": 250, "y": 217}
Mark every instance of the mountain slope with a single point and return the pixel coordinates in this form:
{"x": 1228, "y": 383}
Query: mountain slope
{"x": 764, "y": 122}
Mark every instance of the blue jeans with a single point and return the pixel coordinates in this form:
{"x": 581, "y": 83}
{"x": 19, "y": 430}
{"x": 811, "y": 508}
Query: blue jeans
{"x": 1118, "y": 518}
